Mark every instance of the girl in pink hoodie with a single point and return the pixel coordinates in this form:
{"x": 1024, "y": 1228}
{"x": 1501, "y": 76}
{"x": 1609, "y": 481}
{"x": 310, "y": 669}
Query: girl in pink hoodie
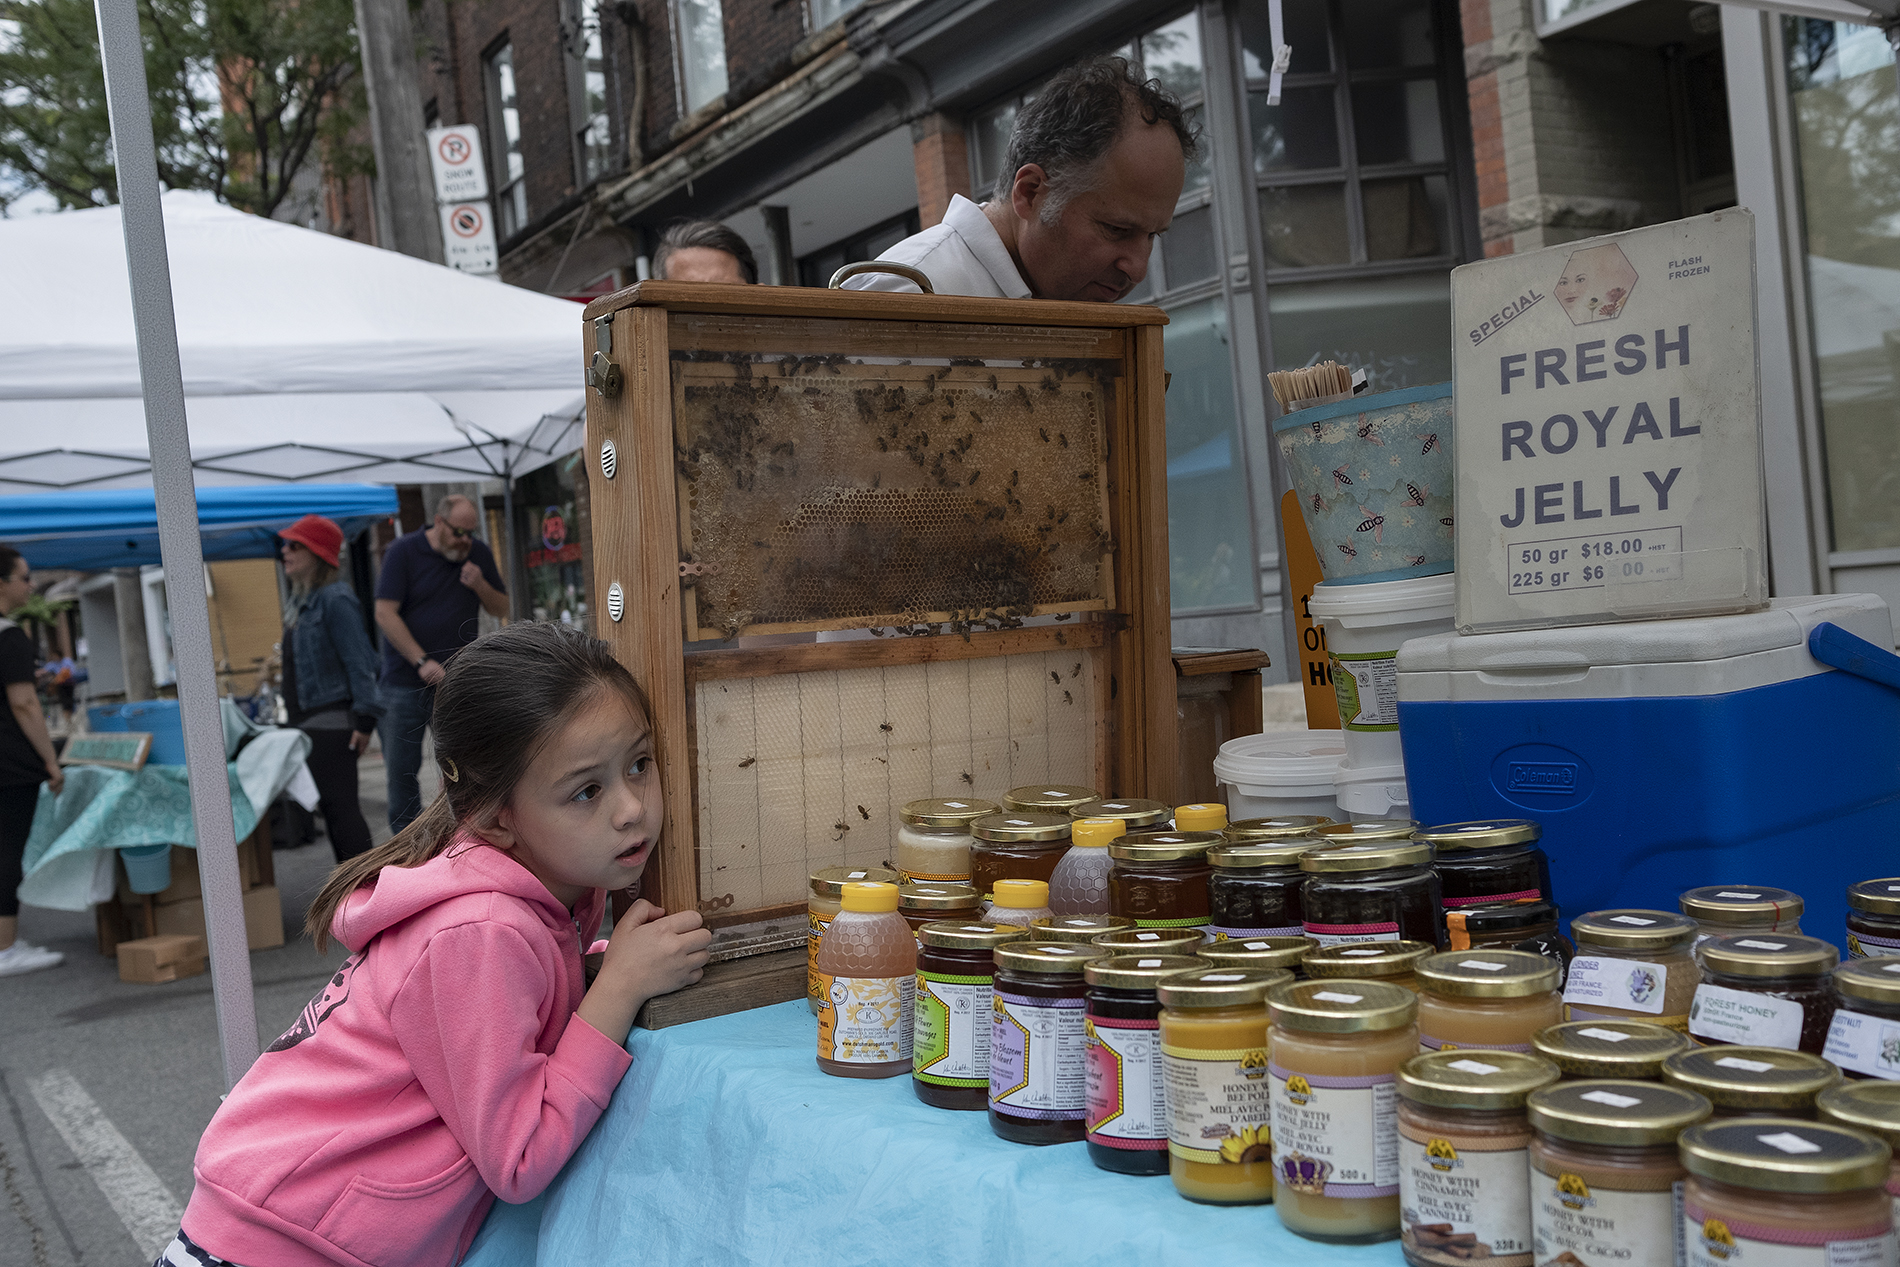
{"x": 457, "y": 1055}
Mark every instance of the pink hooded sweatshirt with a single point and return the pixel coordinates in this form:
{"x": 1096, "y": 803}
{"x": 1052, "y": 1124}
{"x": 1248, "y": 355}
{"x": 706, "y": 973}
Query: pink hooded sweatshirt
{"x": 441, "y": 1067}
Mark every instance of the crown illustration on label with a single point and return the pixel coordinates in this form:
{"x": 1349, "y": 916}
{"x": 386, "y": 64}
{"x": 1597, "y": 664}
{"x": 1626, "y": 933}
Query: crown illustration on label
{"x": 1305, "y": 1174}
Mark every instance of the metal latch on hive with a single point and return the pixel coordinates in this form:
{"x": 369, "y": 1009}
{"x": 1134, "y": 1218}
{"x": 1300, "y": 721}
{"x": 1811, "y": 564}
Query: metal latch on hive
{"x": 602, "y": 374}
{"x": 691, "y": 570}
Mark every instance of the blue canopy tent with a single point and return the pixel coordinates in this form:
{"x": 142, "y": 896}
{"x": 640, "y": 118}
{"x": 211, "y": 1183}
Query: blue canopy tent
{"x": 94, "y": 530}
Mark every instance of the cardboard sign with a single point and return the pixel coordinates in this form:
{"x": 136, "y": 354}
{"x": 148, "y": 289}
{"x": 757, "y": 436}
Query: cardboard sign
{"x": 468, "y": 238}
{"x": 455, "y": 156}
{"x": 1609, "y": 429}
{"x": 1316, "y": 663}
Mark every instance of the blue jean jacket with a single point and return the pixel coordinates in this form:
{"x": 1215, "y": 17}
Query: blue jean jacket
{"x": 334, "y": 658}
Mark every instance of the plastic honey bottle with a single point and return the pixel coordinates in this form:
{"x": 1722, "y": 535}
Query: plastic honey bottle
{"x": 1079, "y": 885}
{"x": 865, "y": 978}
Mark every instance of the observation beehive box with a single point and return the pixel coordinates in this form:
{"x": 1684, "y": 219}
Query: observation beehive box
{"x": 862, "y": 549}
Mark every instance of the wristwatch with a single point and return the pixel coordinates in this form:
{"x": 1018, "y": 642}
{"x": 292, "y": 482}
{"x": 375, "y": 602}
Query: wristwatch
{"x": 420, "y": 661}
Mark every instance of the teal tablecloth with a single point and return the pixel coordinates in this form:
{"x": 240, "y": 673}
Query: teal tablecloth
{"x": 725, "y": 1144}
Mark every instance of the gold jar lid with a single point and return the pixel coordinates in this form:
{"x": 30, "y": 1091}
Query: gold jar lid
{"x": 1770, "y": 1154}
{"x": 1480, "y": 1079}
{"x": 1246, "y": 831}
{"x": 1083, "y": 929}
{"x": 1214, "y": 986}
{"x": 1875, "y": 897}
{"x": 1366, "y": 959}
{"x": 1633, "y": 930}
{"x": 1741, "y": 904}
{"x": 1769, "y": 955}
{"x": 1048, "y": 798}
{"x": 1374, "y": 855}
{"x": 1137, "y": 972}
{"x": 1370, "y": 829}
{"x": 1488, "y": 974}
{"x": 1609, "y": 1049}
{"x": 932, "y": 895}
{"x": 1489, "y": 834}
{"x": 1134, "y": 813}
{"x": 1872, "y": 1106}
{"x": 830, "y": 882}
{"x": 1058, "y": 957}
{"x": 959, "y": 934}
{"x": 1259, "y": 952}
{"x": 1344, "y": 1006}
{"x": 1162, "y": 846}
{"x": 1615, "y": 1111}
{"x": 1870, "y": 980}
{"x": 1763, "y": 1079}
{"x": 1159, "y": 941}
{"x": 1266, "y": 853}
{"x": 1022, "y": 826}
{"x": 954, "y": 812}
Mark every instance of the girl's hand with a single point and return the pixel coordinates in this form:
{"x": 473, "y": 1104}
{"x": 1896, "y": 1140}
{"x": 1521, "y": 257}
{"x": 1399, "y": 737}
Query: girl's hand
{"x": 650, "y": 953}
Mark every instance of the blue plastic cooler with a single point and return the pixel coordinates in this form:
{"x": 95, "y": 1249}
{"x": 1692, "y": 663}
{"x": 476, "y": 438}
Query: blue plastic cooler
{"x": 1662, "y": 755}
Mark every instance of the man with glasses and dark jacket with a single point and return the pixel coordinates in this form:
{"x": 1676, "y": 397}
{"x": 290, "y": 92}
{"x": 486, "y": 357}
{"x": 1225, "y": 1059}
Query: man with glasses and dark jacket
{"x": 435, "y": 582}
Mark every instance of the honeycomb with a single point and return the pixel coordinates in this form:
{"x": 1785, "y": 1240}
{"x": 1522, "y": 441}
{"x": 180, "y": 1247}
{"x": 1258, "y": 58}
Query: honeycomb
{"x": 859, "y": 944}
{"x": 817, "y": 491}
{"x": 1080, "y": 883}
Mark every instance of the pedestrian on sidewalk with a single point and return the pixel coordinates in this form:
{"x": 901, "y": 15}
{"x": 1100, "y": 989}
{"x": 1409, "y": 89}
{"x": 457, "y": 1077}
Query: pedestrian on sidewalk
{"x": 26, "y": 761}
{"x": 329, "y": 676}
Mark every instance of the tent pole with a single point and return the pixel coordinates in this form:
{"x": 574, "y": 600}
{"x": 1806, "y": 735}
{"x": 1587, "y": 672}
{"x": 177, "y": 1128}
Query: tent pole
{"x": 517, "y": 601}
{"x": 129, "y": 108}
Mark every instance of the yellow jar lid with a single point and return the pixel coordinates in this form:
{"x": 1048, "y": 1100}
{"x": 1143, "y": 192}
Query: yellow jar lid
{"x": 1095, "y": 833}
{"x": 1133, "y": 813}
{"x": 1022, "y": 825}
{"x": 1741, "y": 904}
{"x": 1870, "y": 980}
{"x": 1371, "y": 829}
{"x": 830, "y": 882}
{"x": 936, "y": 896}
{"x": 1366, "y": 959}
{"x": 1163, "y": 846}
{"x": 1344, "y": 1006}
{"x": 1060, "y": 958}
{"x": 1373, "y": 855}
{"x": 1020, "y": 895}
{"x": 951, "y": 812}
{"x": 1614, "y": 1111}
{"x": 1872, "y": 1106}
{"x": 1202, "y": 816}
{"x": 1477, "y": 1079}
{"x": 1769, "y": 955}
{"x": 1212, "y": 986}
{"x": 869, "y": 897}
{"x": 1137, "y": 972}
{"x": 1633, "y": 930}
{"x": 1770, "y": 1154}
{"x": 1762, "y": 1079}
{"x": 1160, "y": 941}
{"x": 1266, "y": 853}
{"x": 1488, "y": 974}
{"x": 1048, "y": 798}
{"x": 957, "y": 934}
{"x": 1487, "y": 834}
{"x": 1257, "y": 952}
{"x": 1876, "y": 897}
{"x": 1291, "y": 827}
{"x": 1609, "y": 1049}
{"x": 1082, "y": 929}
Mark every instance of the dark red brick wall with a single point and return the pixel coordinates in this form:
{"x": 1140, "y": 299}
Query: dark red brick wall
{"x": 760, "y": 36}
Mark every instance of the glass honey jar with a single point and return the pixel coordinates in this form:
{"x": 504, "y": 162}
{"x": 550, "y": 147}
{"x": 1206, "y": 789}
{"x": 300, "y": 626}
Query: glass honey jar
{"x": 1214, "y": 1061}
{"x": 1254, "y": 889}
{"x": 1736, "y": 910}
{"x": 933, "y": 839}
{"x": 1258, "y": 952}
{"x": 1379, "y": 890}
{"x": 1493, "y": 999}
{"x": 1081, "y": 929}
{"x": 1394, "y": 962}
{"x": 1159, "y": 879}
{"x": 1628, "y": 1050}
{"x": 1632, "y": 963}
{"x": 1134, "y": 815}
{"x": 1151, "y": 941}
{"x": 1873, "y": 1107}
{"x": 1039, "y": 1042}
{"x": 1873, "y": 918}
{"x": 1752, "y": 1081}
{"x": 1127, "y": 1125}
{"x": 921, "y": 902}
{"x": 1864, "y": 1037}
{"x": 1048, "y": 798}
{"x": 956, "y": 976}
{"x": 1497, "y": 860}
{"x": 1781, "y": 1192}
{"x": 1016, "y": 845}
{"x": 1765, "y": 990}
{"x": 1368, "y": 830}
{"x": 1260, "y": 831}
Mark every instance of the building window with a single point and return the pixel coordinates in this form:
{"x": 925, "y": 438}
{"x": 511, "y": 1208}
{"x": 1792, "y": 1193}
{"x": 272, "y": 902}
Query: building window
{"x": 825, "y": 12}
{"x": 588, "y": 112}
{"x": 816, "y": 269}
{"x": 504, "y": 143}
{"x": 699, "y": 36}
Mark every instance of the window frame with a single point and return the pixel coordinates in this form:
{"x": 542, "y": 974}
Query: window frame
{"x": 511, "y": 193}
{"x": 576, "y": 16}
{"x": 675, "y": 24}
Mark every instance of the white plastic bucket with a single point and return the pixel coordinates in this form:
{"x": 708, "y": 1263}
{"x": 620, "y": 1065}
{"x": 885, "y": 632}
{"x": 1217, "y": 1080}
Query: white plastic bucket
{"x": 1270, "y": 776}
{"x": 1364, "y": 625}
{"x": 1373, "y": 792}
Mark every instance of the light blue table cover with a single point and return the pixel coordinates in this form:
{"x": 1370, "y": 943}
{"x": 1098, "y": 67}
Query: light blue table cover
{"x": 725, "y": 1144}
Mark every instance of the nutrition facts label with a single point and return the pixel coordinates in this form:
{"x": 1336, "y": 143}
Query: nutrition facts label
{"x": 1580, "y": 563}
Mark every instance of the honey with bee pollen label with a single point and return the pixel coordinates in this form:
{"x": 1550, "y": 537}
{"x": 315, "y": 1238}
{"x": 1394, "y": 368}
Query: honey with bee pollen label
{"x": 1214, "y": 1061}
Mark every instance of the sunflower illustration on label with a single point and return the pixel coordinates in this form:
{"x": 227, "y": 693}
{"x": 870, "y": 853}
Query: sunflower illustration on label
{"x": 1253, "y": 1143}
{"x": 1718, "y": 1240}
{"x": 1573, "y": 1192}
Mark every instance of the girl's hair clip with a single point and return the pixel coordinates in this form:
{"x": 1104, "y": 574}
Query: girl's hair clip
{"x": 450, "y": 772}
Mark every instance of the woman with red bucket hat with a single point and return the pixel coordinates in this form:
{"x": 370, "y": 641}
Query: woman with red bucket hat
{"x": 329, "y": 676}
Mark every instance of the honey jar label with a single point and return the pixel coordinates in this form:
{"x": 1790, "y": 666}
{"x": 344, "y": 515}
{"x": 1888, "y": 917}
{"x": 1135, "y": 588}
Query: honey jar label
{"x": 1717, "y": 1242}
{"x": 1745, "y": 1018}
{"x": 932, "y": 877}
{"x": 1341, "y": 934}
{"x": 1038, "y": 1061}
{"x": 1464, "y": 1196}
{"x": 816, "y": 926}
{"x": 1219, "y": 933}
{"x": 1368, "y": 688}
{"x": 952, "y": 1027}
{"x": 1867, "y": 946}
{"x": 1864, "y": 1044}
{"x": 1629, "y": 984}
{"x": 864, "y": 1020}
{"x": 1575, "y": 1223}
{"x": 1219, "y": 1109}
{"x": 1427, "y": 1042}
{"x": 1126, "y": 1097}
{"x": 1334, "y": 1136}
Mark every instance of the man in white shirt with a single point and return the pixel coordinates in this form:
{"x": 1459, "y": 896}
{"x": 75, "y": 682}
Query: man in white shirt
{"x": 1094, "y": 168}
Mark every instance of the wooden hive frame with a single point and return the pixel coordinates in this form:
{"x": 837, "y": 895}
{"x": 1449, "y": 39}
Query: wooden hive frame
{"x": 637, "y": 530}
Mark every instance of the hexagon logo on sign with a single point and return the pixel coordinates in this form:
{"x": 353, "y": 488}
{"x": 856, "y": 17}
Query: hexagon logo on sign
{"x": 1595, "y": 285}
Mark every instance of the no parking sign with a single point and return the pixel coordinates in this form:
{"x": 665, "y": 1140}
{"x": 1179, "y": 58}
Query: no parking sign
{"x": 455, "y": 157}
{"x": 468, "y": 238}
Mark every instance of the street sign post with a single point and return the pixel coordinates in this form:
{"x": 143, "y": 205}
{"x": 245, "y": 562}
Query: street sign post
{"x": 455, "y": 156}
{"x": 468, "y": 238}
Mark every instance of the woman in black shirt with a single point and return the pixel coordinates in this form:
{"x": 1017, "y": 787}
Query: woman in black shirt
{"x": 26, "y": 761}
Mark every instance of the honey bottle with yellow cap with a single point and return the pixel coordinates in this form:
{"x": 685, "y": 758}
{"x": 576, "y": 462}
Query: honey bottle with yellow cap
{"x": 1079, "y": 884}
{"x": 1019, "y": 902}
{"x": 866, "y": 978}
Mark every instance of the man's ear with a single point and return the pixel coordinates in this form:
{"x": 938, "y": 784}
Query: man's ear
{"x": 1029, "y": 184}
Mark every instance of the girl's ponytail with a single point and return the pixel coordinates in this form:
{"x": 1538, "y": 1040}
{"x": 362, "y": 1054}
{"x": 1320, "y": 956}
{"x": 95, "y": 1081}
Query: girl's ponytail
{"x": 428, "y": 835}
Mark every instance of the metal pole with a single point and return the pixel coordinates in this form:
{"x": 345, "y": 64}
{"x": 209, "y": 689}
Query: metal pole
{"x": 149, "y": 271}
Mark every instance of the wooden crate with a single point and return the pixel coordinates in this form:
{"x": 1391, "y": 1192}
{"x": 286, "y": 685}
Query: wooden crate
{"x": 979, "y": 484}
